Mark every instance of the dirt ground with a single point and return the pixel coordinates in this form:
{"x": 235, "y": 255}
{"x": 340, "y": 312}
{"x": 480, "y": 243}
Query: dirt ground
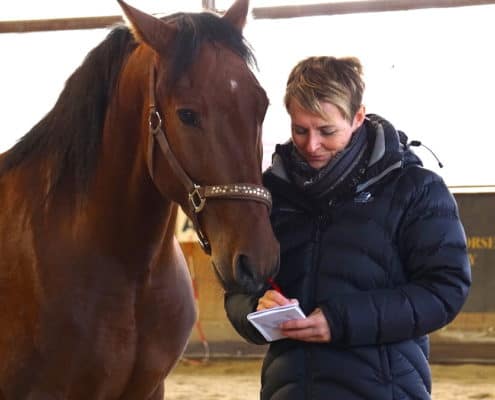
{"x": 239, "y": 380}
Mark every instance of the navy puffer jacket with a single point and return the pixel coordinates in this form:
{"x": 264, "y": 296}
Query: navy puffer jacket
{"x": 387, "y": 264}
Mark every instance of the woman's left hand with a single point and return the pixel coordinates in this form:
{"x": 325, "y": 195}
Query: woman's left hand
{"x": 314, "y": 328}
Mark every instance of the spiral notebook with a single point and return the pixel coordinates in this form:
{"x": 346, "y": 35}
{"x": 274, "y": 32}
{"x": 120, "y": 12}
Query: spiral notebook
{"x": 267, "y": 321}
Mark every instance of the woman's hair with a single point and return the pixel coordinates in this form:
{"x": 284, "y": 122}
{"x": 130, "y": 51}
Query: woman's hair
{"x": 328, "y": 79}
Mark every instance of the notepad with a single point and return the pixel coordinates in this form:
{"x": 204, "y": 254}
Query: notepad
{"x": 267, "y": 321}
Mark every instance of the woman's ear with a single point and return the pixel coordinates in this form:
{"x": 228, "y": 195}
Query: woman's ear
{"x": 359, "y": 117}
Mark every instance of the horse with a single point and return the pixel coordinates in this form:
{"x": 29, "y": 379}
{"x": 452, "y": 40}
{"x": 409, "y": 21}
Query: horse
{"x": 96, "y": 300}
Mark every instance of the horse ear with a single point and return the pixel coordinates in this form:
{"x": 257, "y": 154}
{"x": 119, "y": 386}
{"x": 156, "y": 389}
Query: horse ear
{"x": 147, "y": 28}
{"x": 237, "y": 14}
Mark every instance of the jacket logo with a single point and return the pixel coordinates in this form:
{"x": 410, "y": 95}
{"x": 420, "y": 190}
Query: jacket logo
{"x": 363, "y": 197}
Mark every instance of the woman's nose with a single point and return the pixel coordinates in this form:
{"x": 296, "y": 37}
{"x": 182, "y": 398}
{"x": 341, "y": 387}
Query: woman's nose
{"x": 313, "y": 143}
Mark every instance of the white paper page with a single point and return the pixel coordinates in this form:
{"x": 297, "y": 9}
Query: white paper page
{"x": 267, "y": 321}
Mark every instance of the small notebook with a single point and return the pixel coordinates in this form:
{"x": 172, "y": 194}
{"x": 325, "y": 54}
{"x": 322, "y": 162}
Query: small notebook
{"x": 268, "y": 320}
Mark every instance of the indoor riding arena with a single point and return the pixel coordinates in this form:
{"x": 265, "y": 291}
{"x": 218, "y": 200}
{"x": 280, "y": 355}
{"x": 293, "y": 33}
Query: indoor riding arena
{"x": 428, "y": 65}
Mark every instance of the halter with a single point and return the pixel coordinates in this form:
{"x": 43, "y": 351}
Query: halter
{"x": 197, "y": 194}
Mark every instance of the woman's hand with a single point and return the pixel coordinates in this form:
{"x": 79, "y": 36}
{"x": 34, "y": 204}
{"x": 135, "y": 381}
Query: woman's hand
{"x": 271, "y": 299}
{"x": 314, "y": 328}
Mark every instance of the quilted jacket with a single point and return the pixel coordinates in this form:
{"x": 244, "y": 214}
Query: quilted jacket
{"x": 387, "y": 263}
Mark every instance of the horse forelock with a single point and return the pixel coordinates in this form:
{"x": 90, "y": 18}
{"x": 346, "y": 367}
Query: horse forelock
{"x": 68, "y": 138}
{"x": 194, "y": 29}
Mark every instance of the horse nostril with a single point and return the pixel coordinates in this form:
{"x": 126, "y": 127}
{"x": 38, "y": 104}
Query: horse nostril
{"x": 243, "y": 271}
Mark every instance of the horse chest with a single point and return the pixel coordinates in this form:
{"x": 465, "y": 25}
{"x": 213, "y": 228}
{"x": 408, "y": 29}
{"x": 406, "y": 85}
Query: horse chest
{"x": 110, "y": 346}
{"x": 136, "y": 350}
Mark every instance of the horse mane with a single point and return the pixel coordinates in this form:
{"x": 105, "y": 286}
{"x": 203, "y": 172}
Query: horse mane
{"x": 71, "y": 133}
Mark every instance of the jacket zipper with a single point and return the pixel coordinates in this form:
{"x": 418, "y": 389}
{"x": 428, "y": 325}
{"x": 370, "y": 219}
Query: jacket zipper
{"x": 321, "y": 221}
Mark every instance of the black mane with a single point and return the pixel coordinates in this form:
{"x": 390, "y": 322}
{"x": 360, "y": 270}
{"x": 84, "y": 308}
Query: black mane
{"x": 71, "y": 132}
{"x": 193, "y": 30}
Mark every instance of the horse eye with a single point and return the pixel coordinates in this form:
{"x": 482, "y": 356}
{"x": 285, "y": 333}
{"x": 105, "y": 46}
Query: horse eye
{"x": 189, "y": 117}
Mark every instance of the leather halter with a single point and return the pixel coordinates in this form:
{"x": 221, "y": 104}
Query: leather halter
{"x": 197, "y": 194}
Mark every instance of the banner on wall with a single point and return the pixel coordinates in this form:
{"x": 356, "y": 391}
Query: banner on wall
{"x": 477, "y": 211}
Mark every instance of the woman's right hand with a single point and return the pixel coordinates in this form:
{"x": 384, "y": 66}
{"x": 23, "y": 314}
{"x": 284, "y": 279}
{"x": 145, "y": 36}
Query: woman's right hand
{"x": 272, "y": 298}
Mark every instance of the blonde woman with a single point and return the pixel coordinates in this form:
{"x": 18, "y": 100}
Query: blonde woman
{"x": 372, "y": 249}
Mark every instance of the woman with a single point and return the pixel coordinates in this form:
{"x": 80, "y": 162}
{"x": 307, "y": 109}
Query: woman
{"x": 371, "y": 247}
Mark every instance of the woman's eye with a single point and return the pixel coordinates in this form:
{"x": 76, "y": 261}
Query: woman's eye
{"x": 189, "y": 117}
{"x": 300, "y": 130}
{"x": 327, "y": 132}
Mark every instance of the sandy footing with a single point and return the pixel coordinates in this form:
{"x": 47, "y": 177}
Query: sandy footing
{"x": 239, "y": 380}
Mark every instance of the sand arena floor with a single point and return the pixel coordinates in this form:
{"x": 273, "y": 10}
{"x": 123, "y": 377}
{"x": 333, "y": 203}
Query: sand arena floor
{"x": 234, "y": 379}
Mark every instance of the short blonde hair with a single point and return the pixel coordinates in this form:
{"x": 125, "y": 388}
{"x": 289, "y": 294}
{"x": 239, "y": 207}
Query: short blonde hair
{"x": 328, "y": 79}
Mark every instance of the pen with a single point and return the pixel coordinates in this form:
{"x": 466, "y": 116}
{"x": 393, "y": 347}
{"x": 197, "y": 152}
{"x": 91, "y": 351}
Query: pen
{"x": 274, "y": 285}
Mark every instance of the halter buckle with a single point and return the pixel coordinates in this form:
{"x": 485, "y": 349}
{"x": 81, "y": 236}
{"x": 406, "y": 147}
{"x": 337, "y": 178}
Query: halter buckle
{"x": 154, "y": 121}
{"x": 196, "y": 199}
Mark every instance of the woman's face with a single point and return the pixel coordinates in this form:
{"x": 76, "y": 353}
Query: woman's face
{"x": 318, "y": 140}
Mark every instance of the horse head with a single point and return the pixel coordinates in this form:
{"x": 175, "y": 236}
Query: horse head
{"x": 202, "y": 136}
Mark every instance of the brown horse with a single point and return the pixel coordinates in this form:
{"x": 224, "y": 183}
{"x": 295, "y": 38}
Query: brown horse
{"x": 95, "y": 297}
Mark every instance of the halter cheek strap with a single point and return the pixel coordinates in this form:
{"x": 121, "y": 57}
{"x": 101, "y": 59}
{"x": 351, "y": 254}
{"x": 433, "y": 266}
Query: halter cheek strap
{"x": 197, "y": 194}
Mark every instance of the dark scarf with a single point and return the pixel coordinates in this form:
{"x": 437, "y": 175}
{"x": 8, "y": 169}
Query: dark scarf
{"x": 341, "y": 174}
